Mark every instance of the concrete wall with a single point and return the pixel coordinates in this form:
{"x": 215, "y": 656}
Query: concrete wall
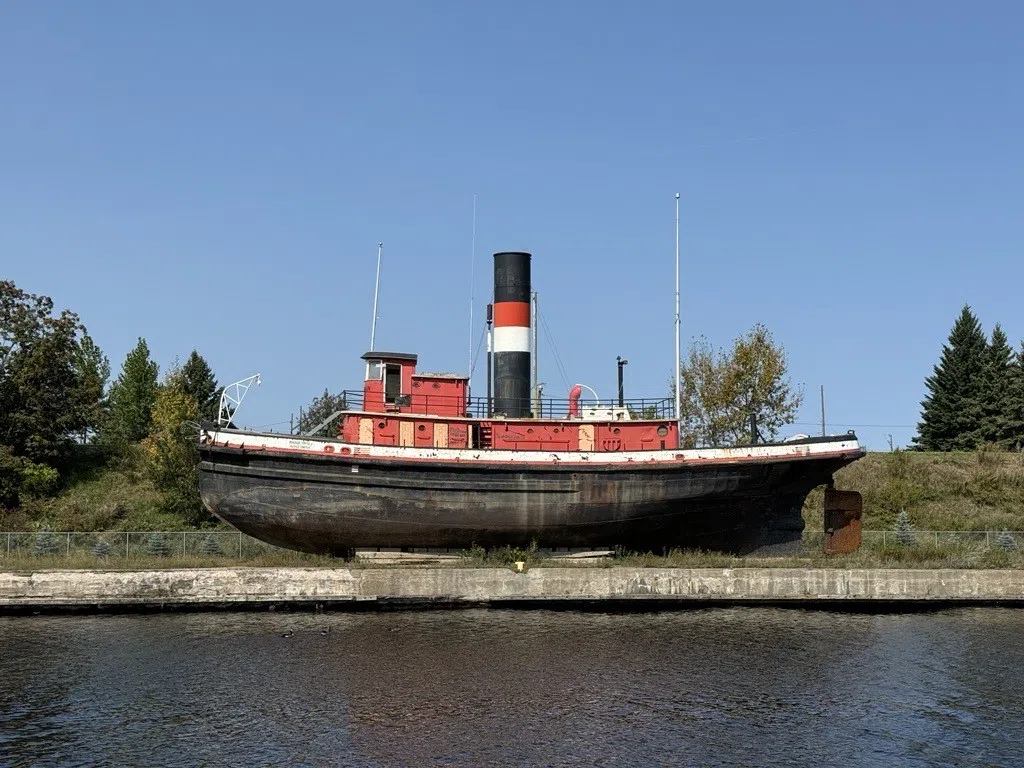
{"x": 226, "y": 586}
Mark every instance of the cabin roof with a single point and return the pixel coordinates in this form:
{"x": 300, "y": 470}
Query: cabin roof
{"x": 433, "y": 375}
{"x": 374, "y": 355}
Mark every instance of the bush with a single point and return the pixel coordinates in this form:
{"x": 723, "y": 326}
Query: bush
{"x": 46, "y": 543}
{"x": 904, "y": 530}
{"x": 101, "y": 548}
{"x": 1005, "y": 541}
{"x": 210, "y": 546}
{"x": 158, "y": 545}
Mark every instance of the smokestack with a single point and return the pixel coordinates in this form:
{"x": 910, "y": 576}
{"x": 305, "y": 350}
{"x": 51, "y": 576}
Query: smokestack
{"x": 512, "y": 334}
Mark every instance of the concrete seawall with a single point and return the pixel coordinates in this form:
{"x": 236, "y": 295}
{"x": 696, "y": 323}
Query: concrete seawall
{"x": 240, "y": 588}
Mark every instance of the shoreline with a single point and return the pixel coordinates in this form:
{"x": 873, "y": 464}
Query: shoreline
{"x": 246, "y": 589}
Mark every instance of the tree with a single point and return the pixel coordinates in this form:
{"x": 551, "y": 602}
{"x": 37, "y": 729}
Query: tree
{"x": 320, "y": 409}
{"x": 201, "y": 385}
{"x": 951, "y": 413}
{"x": 93, "y": 368}
{"x": 995, "y": 391}
{"x": 904, "y": 530}
{"x": 1015, "y": 415}
{"x": 46, "y": 396}
{"x": 720, "y": 390}
{"x": 132, "y": 397}
{"x": 171, "y": 453}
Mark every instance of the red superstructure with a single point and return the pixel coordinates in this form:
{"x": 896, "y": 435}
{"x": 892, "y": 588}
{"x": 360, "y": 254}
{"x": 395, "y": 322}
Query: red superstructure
{"x": 401, "y": 407}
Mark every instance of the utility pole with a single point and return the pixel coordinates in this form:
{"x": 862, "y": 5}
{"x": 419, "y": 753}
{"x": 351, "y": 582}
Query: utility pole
{"x": 822, "y": 410}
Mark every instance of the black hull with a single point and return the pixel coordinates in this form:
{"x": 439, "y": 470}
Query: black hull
{"x": 337, "y": 504}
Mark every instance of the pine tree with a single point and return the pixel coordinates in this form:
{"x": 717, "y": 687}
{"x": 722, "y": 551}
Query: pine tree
{"x": 904, "y": 530}
{"x": 132, "y": 397}
{"x": 201, "y": 385}
{"x": 318, "y": 410}
{"x": 995, "y": 391}
{"x": 951, "y": 414}
{"x": 1014, "y": 435}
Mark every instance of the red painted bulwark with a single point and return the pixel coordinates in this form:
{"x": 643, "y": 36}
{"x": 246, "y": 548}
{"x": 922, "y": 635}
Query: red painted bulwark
{"x": 438, "y": 395}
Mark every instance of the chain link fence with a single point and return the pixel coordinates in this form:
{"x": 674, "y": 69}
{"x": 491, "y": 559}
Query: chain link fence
{"x": 233, "y": 545}
{"x": 1007, "y": 540}
{"x": 128, "y": 544}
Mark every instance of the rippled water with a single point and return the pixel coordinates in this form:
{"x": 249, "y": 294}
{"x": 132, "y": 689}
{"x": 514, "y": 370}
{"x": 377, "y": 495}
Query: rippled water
{"x": 749, "y": 686}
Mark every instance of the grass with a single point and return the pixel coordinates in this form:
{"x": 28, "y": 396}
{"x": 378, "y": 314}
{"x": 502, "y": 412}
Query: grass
{"x": 871, "y": 555}
{"x": 981, "y": 491}
{"x": 99, "y": 494}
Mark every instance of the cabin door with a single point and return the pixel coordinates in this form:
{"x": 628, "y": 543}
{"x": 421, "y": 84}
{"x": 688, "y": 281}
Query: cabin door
{"x": 392, "y": 382}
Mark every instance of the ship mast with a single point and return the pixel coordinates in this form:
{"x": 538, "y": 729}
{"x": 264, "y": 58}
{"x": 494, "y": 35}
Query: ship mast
{"x": 679, "y": 394}
{"x": 376, "y": 292}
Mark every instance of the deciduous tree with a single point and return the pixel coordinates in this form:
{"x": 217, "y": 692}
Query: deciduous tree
{"x": 720, "y": 390}
{"x": 47, "y": 395}
{"x": 171, "y": 448}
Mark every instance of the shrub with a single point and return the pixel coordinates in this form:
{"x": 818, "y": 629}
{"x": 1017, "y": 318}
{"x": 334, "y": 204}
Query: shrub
{"x": 904, "y": 530}
{"x": 101, "y": 548}
{"x": 158, "y": 545}
{"x": 210, "y": 546}
{"x": 46, "y": 543}
{"x": 1005, "y": 541}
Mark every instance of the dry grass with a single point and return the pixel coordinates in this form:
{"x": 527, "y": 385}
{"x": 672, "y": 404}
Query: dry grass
{"x": 940, "y": 491}
{"x": 891, "y": 556}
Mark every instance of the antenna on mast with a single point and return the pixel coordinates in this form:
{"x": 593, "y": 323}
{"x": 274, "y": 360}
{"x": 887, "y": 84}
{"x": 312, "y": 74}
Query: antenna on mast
{"x": 376, "y": 292}
{"x": 679, "y": 393}
{"x": 472, "y": 290}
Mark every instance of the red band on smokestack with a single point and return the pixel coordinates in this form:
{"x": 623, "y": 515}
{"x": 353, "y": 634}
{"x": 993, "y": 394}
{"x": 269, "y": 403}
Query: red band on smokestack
{"x": 508, "y": 313}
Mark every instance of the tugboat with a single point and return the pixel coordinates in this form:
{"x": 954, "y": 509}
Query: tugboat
{"x": 417, "y": 463}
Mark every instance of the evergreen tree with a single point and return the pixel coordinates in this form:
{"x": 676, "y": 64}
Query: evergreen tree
{"x": 951, "y": 414}
{"x": 201, "y": 385}
{"x": 132, "y": 397}
{"x": 1014, "y": 435}
{"x": 904, "y": 530}
{"x": 322, "y": 408}
{"x": 995, "y": 391}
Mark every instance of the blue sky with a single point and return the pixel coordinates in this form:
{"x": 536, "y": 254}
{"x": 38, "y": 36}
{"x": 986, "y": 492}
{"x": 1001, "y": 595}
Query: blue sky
{"x": 217, "y": 176}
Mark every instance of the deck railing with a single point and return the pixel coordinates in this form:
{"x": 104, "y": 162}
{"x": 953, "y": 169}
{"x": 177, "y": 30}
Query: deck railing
{"x": 549, "y": 407}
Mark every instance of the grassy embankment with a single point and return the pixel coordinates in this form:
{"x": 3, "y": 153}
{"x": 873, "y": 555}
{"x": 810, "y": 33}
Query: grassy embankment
{"x": 946, "y": 492}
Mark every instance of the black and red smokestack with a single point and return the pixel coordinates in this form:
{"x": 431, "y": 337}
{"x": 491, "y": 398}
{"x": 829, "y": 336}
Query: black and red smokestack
{"x": 512, "y": 334}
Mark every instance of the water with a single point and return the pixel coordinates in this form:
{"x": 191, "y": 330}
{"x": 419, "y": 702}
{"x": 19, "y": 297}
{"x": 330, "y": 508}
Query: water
{"x": 744, "y": 686}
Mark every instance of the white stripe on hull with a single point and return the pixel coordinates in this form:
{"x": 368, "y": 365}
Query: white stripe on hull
{"x": 256, "y": 441}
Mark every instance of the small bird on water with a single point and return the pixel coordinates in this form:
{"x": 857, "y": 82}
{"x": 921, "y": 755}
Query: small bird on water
{"x": 289, "y": 633}
{"x": 325, "y": 631}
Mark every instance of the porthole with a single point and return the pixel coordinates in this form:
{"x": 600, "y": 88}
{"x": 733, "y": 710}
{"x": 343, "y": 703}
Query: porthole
{"x": 616, "y": 431}
{"x": 662, "y": 430}
{"x": 421, "y": 428}
{"x": 381, "y": 424}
